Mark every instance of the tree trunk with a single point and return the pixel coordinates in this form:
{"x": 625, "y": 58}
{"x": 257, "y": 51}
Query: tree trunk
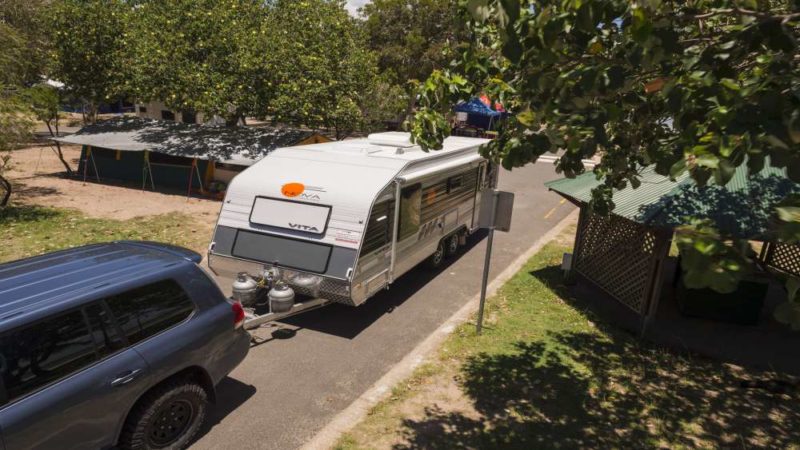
{"x": 90, "y": 114}
{"x": 412, "y": 100}
{"x": 233, "y": 119}
{"x": 64, "y": 161}
{"x": 7, "y": 187}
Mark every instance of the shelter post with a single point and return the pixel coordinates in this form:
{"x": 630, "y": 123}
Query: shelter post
{"x": 147, "y": 170}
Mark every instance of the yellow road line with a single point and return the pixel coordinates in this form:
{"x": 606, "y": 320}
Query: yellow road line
{"x": 550, "y": 213}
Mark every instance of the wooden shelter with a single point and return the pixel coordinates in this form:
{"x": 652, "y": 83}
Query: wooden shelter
{"x": 624, "y": 254}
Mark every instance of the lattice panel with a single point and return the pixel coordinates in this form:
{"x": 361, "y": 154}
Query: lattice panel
{"x": 785, "y": 257}
{"x": 617, "y": 254}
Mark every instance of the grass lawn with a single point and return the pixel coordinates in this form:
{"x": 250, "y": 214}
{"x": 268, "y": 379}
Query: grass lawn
{"x": 547, "y": 373}
{"x": 31, "y": 230}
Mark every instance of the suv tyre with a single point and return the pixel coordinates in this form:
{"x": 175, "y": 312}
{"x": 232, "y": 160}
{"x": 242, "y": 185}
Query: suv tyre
{"x": 168, "y": 417}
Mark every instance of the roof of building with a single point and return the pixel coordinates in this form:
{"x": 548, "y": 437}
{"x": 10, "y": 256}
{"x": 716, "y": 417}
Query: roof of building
{"x": 743, "y": 207}
{"x": 58, "y": 279}
{"x": 232, "y": 145}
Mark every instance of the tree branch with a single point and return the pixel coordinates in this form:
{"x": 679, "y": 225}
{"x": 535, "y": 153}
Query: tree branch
{"x": 746, "y": 12}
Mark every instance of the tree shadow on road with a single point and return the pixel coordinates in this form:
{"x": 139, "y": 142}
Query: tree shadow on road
{"x": 605, "y": 389}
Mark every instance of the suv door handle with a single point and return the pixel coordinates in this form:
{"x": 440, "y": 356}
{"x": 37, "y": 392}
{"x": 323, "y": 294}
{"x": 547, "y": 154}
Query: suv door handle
{"x": 125, "y": 377}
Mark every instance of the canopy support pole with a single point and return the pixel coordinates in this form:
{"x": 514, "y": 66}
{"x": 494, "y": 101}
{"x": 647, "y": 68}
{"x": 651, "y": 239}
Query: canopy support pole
{"x": 89, "y": 157}
{"x": 194, "y": 170}
{"x": 191, "y": 175}
{"x": 147, "y": 170}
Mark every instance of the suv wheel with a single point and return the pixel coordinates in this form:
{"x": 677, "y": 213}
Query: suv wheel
{"x": 436, "y": 260}
{"x": 167, "y": 418}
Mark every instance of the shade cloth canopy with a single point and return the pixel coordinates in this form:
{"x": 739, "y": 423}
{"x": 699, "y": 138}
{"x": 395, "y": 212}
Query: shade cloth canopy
{"x": 743, "y": 207}
{"x": 232, "y": 145}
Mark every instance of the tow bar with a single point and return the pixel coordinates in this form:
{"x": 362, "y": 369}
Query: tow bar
{"x": 253, "y": 321}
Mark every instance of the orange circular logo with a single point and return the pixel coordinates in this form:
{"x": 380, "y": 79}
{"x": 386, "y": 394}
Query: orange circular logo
{"x": 292, "y": 189}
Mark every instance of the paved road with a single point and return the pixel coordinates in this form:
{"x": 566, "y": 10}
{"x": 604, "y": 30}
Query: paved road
{"x": 314, "y": 365}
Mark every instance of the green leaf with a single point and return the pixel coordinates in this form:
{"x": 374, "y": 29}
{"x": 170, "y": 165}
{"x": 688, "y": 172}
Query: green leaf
{"x": 730, "y": 84}
{"x": 707, "y": 160}
{"x": 678, "y": 168}
{"x": 725, "y": 171}
{"x": 775, "y": 142}
{"x": 788, "y": 313}
{"x": 527, "y": 118}
{"x": 789, "y": 213}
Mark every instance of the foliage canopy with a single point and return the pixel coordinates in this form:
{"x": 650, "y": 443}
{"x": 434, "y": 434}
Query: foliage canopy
{"x": 703, "y": 86}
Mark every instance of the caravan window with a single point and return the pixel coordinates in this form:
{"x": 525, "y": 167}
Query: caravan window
{"x": 454, "y": 183}
{"x": 379, "y": 227}
{"x": 410, "y": 205}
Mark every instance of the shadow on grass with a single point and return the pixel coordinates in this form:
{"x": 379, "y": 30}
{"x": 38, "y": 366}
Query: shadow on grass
{"x": 26, "y": 213}
{"x": 602, "y": 388}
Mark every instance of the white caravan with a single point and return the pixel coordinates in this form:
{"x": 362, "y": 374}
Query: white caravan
{"x": 339, "y": 221}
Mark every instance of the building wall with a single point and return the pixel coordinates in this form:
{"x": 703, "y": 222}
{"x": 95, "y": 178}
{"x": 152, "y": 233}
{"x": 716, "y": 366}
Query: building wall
{"x": 156, "y": 110}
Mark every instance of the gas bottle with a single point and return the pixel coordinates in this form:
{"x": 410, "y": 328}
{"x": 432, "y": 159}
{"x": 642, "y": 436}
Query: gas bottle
{"x": 281, "y": 298}
{"x": 244, "y": 289}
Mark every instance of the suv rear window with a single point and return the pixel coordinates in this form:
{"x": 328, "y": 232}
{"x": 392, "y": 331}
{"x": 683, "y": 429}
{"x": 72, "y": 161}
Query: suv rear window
{"x": 148, "y": 310}
{"x": 46, "y": 351}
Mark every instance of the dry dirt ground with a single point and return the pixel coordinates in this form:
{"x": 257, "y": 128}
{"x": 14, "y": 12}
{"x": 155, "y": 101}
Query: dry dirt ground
{"x": 37, "y": 176}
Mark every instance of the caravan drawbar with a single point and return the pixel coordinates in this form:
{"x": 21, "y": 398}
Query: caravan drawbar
{"x": 340, "y": 221}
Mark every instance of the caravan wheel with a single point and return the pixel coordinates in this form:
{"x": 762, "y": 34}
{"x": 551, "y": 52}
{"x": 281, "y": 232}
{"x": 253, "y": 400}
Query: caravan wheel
{"x": 452, "y": 244}
{"x": 436, "y": 260}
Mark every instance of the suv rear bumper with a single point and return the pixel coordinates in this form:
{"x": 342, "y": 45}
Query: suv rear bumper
{"x": 233, "y": 356}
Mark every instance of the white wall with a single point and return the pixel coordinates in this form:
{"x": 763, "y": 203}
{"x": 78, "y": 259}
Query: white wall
{"x": 154, "y": 112}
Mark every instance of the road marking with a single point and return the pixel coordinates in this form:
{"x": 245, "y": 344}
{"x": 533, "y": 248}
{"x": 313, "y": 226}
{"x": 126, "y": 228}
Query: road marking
{"x": 346, "y": 419}
{"x": 550, "y": 213}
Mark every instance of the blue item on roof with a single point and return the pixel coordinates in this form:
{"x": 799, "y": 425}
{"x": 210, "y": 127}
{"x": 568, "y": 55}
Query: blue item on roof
{"x": 478, "y": 114}
{"x": 475, "y": 106}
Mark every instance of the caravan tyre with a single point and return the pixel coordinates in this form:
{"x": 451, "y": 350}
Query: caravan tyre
{"x": 452, "y": 245}
{"x": 436, "y": 260}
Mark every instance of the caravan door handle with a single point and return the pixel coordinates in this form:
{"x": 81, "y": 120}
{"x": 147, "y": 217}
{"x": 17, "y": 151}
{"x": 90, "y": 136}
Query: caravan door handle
{"x": 125, "y": 377}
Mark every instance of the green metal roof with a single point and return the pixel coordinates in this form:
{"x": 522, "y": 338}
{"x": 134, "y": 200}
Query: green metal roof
{"x": 742, "y": 207}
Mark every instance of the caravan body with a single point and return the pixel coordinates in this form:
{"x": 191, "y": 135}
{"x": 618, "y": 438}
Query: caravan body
{"x": 342, "y": 220}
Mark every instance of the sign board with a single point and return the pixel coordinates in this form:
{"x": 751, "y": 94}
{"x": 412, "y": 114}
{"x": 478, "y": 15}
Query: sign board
{"x": 496, "y": 208}
{"x": 290, "y": 215}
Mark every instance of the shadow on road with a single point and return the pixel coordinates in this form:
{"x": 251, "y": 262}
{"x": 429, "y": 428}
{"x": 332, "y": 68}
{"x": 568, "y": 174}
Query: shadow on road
{"x": 231, "y": 393}
{"x": 348, "y": 322}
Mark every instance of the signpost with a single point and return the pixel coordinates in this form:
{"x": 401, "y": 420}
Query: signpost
{"x": 496, "y": 208}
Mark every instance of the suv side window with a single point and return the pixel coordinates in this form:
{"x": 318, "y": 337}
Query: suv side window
{"x": 106, "y": 337}
{"x": 38, "y": 354}
{"x": 148, "y": 310}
